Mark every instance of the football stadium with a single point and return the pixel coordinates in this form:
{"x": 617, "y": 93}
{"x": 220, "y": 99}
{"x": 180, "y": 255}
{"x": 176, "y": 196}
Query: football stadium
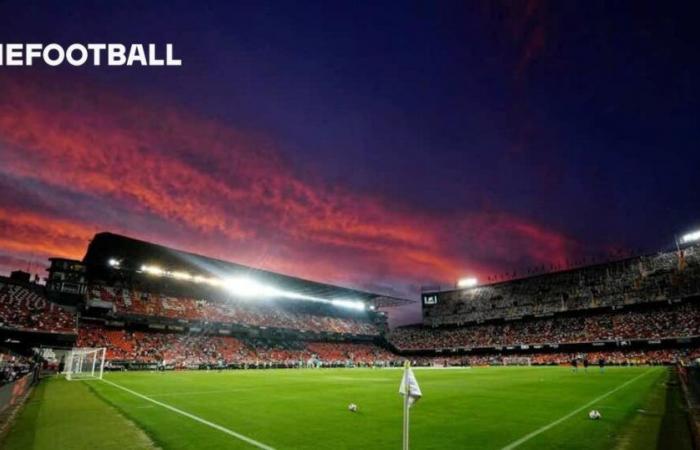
{"x": 349, "y": 225}
{"x": 143, "y": 346}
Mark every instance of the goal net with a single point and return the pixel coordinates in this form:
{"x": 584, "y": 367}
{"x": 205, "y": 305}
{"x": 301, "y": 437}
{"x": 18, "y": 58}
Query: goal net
{"x": 516, "y": 361}
{"x": 85, "y": 363}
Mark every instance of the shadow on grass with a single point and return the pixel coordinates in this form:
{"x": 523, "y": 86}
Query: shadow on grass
{"x": 674, "y": 432}
{"x": 150, "y": 433}
{"x": 21, "y": 433}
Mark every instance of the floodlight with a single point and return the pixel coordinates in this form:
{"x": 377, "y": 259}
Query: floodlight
{"x": 153, "y": 270}
{"x": 352, "y": 304}
{"x": 214, "y": 282}
{"x": 113, "y": 262}
{"x": 181, "y": 275}
{"x": 467, "y": 282}
{"x": 691, "y": 237}
{"x": 298, "y": 296}
{"x": 247, "y": 287}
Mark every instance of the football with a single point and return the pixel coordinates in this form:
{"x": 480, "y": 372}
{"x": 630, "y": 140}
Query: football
{"x": 352, "y": 407}
{"x": 594, "y": 415}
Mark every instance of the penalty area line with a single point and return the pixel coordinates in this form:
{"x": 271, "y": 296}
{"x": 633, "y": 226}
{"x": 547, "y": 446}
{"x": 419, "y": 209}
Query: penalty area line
{"x": 541, "y": 430}
{"x": 193, "y": 417}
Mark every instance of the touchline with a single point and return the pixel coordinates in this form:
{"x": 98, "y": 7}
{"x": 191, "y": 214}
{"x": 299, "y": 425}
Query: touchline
{"x": 88, "y": 54}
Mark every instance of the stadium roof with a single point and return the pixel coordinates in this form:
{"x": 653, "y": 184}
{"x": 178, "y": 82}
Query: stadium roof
{"x": 130, "y": 253}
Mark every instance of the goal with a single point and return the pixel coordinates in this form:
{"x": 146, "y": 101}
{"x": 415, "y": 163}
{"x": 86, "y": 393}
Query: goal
{"x": 516, "y": 361}
{"x": 85, "y": 363}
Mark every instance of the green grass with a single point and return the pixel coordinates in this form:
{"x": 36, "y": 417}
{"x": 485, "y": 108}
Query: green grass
{"x": 485, "y": 408}
{"x": 67, "y": 415}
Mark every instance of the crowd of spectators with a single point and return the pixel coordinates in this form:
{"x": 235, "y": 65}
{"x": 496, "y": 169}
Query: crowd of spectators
{"x": 358, "y": 353}
{"x": 664, "y": 276}
{"x": 615, "y": 358}
{"x": 258, "y": 314}
{"x": 662, "y": 321}
{"x": 290, "y": 353}
{"x": 13, "y": 367}
{"x": 183, "y": 350}
{"x": 26, "y": 309}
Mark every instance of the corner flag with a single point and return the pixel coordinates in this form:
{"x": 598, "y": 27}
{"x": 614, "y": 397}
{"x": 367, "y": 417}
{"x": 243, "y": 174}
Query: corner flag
{"x": 411, "y": 394}
{"x": 414, "y": 393}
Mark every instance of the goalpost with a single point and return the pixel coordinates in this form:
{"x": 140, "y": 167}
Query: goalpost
{"x": 85, "y": 363}
{"x": 516, "y": 361}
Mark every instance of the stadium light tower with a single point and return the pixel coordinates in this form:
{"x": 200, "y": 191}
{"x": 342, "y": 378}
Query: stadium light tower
{"x": 467, "y": 282}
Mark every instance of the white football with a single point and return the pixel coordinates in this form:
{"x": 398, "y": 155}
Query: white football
{"x": 594, "y": 415}
{"x": 352, "y": 407}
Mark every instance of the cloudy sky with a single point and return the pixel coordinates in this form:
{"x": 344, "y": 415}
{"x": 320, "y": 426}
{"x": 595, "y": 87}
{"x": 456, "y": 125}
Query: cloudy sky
{"x": 378, "y": 145}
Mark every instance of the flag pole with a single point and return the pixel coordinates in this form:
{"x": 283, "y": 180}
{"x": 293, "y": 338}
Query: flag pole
{"x": 406, "y": 405}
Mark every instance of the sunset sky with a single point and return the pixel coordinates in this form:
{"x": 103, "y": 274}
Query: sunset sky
{"x": 378, "y": 145}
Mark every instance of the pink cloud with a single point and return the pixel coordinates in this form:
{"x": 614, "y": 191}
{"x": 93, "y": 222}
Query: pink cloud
{"x": 231, "y": 194}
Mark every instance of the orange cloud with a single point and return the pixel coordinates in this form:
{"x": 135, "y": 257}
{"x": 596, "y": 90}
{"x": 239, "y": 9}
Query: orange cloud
{"x": 227, "y": 193}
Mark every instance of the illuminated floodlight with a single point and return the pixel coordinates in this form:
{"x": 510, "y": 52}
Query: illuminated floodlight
{"x": 352, "y": 304}
{"x": 181, "y": 275}
{"x": 691, "y": 237}
{"x": 209, "y": 281}
{"x": 467, "y": 282}
{"x": 216, "y": 282}
{"x": 113, "y": 262}
{"x": 247, "y": 287}
{"x": 153, "y": 270}
{"x": 298, "y": 296}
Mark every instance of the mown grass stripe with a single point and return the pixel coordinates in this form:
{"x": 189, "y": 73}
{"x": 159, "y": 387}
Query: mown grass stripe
{"x": 215, "y": 426}
{"x": 541, "y": 430}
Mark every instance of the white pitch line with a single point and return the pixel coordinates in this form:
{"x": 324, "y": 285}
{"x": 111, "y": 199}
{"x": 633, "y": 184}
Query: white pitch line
{"x": 527, "y": 437}
{"x": 193, "y": 417}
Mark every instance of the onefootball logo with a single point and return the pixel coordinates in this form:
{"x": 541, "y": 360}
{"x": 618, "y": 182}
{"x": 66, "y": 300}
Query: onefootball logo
{"x": 90, "y": 54}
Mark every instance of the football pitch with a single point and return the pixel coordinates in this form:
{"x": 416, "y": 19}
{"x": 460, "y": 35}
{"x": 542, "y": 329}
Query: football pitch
{"x": 480, "y": 408}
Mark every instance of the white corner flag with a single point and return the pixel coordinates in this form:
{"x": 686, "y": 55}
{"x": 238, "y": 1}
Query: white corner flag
{"x": 411, "y": 394}
{"x": 414, "y": 393}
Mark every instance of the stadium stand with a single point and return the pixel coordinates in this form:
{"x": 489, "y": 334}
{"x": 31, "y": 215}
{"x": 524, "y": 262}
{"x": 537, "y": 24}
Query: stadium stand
{"x": 638, "y": 309}
{"x": 615, "y": 358}
{"x": 13, "y": 366}
{"x": 25, "y": 307}
{"x": 184, "y": 350}
{"x": 646, "y": 279}
{"x": 676, "y": 320}
{"x": 644, "y": 308}
{"x": 358, "y": 353}
{"x": 260, "y": 314}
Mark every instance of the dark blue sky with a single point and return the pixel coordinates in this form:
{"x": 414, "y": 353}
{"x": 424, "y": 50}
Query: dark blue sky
{"x": 579, "y": 119}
